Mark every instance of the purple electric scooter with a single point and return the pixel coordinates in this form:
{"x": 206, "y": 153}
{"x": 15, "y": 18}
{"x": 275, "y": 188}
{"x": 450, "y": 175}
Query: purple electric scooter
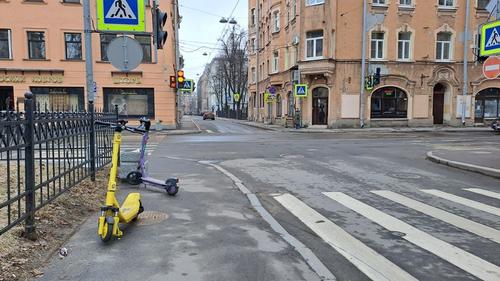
{"x": 140, "y": 176}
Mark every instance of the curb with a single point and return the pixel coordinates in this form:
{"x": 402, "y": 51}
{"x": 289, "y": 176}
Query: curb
{"x": 179, "y": 132}
{"x": 464, "y": 166}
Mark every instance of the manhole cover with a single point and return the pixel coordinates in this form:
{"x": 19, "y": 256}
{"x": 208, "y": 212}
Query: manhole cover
{"x": 405, "y": 176}
{"x": 151, "y": 217}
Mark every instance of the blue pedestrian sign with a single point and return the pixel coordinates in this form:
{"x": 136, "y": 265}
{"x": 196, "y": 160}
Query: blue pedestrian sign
{"x": 490, "y": 39}
{"x": 187, "y": 86}
{"x": 300, "y": 90}
{"x": 120, "y": 15}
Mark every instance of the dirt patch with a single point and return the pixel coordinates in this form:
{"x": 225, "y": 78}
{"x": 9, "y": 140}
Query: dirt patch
{"x": 22, "y": 259}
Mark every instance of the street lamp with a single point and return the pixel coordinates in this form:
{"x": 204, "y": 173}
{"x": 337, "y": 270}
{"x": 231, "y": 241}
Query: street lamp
{"x": 223, "y": 20}
{"x": 233, "y": 21}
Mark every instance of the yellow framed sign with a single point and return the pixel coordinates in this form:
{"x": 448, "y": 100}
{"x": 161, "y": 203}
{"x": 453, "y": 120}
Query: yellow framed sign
{"x": 490, "y": 39}
{"x": 121, "y": 15}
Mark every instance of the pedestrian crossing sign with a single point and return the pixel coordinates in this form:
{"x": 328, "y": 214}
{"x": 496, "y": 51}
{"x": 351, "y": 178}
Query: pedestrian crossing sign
{"x": 300, "y": 90}
{"x": 187, "y": 86}
{"x": 120, "y": 15}
{"x": 490, "y": 39}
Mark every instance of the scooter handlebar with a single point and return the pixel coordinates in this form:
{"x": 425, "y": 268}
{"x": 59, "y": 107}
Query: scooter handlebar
{"x": 122, "y": 125}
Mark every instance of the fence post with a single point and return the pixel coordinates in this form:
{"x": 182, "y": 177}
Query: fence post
{"x": 116, "y": 112}
{"x": 92, "y": 141}
{"x": 29, "y": 167}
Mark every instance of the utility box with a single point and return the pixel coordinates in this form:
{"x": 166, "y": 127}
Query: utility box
{"x": 129, "y": 161}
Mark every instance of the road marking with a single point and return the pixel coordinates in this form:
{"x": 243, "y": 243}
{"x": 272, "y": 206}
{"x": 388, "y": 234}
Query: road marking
{"x": 210, "y": 131}
{"x": 371, "y": 263}
{"x": 463, "y": 223}
{"x": 463, "y": 201}
{"x": 198, "y": 127}
{"x": 484, "y": 192}
{"x": 310, "y": 258}
{"x": 452, "y": 254}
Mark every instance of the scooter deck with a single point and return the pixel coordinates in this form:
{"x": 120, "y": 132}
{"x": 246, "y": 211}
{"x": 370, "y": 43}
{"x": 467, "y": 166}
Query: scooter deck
{"x": 149, "y": 180}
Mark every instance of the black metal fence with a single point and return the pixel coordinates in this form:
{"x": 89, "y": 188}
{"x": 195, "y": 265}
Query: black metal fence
{"x": 45, "y": 153}
{"x": 241, "y": 114}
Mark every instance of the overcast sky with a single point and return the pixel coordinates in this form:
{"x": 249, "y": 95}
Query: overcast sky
{"x": 200, "y": 29}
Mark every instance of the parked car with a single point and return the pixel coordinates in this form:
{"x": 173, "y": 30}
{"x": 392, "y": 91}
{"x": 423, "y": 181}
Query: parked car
{"x": 208, "y": 115}
{"x": 495, "y": 125}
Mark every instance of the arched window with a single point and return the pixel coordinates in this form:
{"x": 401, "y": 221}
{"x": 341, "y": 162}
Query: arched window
{"x": 389, "y": 102}
{"x": 487, "y": 104}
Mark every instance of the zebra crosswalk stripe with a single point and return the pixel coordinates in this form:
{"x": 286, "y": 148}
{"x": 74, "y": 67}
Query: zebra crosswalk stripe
{"x": 452, "y": 254}
{"x": 371, "y": 263}
{"x": 463, "y": 201}
{"x": 484, "y": 192}
{"x": 460, "y": 222}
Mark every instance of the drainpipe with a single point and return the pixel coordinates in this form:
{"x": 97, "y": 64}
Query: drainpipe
{"x": 257, "y": 67}
{"x": 466, "y": 62}
{"x": 363, "y": 70}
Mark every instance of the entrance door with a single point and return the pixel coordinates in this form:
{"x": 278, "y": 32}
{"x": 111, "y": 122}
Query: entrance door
{"x": 6, "y": 98}
{"x": 438, "y": 104}
{"x": 320, "y": 106}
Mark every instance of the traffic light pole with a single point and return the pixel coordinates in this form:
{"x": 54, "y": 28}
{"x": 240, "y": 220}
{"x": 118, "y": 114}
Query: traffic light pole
{"x": 363, "y": 70}
{"x": 155, "y": 31}
{"x": 87, "y": 30}
{"x": 177, "y": 60}
{"x": 466, "y": 62}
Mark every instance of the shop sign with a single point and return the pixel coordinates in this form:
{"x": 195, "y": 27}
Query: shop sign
{"x": 47, "y": 79}
{"x": 12, "y": 79}
{"x": 127, "y": 80}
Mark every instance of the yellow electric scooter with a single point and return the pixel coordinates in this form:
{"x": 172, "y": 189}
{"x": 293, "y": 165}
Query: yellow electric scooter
{"x": 113, "y": 214}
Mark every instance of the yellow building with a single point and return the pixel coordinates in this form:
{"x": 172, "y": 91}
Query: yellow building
{"x": 416, "y": 45}
{"x": 42, "y": 51}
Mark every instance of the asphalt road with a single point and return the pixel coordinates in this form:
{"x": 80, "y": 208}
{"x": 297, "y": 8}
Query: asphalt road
{"x": 368, "y": 206}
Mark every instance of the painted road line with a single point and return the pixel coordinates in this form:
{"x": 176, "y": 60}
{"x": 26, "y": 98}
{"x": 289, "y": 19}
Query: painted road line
{"x": 452, "y": 254}
{"x": 371, "y": 263}
{"x": 484, "y": 192}
{"x": 464, "y": 201}
{"x": 460, "y": 222}
{"x": 210, "y": 131}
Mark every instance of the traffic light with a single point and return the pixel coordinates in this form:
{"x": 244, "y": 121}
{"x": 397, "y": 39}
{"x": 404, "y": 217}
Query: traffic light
{"x": 180, "y": 79}
{"x": 158, "y": 24}
{"x": 369, "y": 82}
{"x": 376, "y": 78}
{"x": 173, "y": 82}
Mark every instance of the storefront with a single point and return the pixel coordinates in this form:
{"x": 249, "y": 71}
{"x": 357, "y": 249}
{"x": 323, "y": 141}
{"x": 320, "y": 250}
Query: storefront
{"x": 59, "y": 98}
{"x": 131, "y": 102}
{"x": 389, "y": 102}
{"x": 487, "y": 105}
{"x": 6, "y": 98}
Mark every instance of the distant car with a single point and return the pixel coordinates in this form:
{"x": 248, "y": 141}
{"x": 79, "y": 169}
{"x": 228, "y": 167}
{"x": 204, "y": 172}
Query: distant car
{"x": 495, "y": 125}
{"x": 208, "y": 115}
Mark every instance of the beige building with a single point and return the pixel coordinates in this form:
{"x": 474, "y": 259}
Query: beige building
{"x": 42, "y": 51}
{"x": 416, "y": 45}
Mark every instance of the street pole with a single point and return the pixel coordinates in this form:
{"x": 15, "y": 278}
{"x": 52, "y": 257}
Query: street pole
{"x": 177, "y": 59}
{"x": 89, "y": 75}
{"x": 363, "y": 70}
{"x": 257, "y": 67}
{"x": 466, "y": 62}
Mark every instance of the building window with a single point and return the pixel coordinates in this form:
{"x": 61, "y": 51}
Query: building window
{"x": 487, "y": 104}
{"x": 145, "y": 41}
{"x": 379, "y": 2}
{"x": 443, "y": 46}
{"x": 314, "y": 44}
{"x": 254, "y": 75}
{"x": 404, "y": 43}
{"x": 106, "y": 38}
{"x": 377, "y": 45}
{"x": 389, "y": 102}
{"x": 314, "y": 2}
{"x": 132, "y": 102}
{"x": 481, "y": 4}
{"x": 275, "y": 62}
{"x": 294, "y": 8}
{"x": 253, "y": 47}
{"x": 36, "y": 45}
{"x": 73, "y": 45}
{"x": 405, "y": 3}
{"x": 279, "y": 108}
{"x": 59, "y": 98}
{"x": 71, "y": 1}
{"x": 276, "y": 21}
{"x": 5, "y": 44}
{"x": 252, "y": 20}
{"x": 445, "y": 3}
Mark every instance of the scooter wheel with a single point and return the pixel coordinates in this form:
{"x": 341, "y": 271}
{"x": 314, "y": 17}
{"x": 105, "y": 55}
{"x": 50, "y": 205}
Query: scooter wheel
{"x": 107, "y": 232}
{"x": 134, "y": 178}
{"x": 172, "y": 190}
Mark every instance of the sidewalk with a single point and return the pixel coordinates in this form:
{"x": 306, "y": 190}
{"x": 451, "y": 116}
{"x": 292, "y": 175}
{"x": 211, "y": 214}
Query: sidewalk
{"x": 188, "y": 126}
{"x": 280, "y": 128}
{"x": 480, "y": 160}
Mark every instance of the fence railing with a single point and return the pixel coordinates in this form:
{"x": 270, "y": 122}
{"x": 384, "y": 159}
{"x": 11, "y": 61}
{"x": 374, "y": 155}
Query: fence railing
{"x": 45, "y": 153}
{"x": 241, "y": 114}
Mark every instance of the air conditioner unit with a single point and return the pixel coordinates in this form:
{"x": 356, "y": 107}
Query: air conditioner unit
{"x": 295, "y": 40}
